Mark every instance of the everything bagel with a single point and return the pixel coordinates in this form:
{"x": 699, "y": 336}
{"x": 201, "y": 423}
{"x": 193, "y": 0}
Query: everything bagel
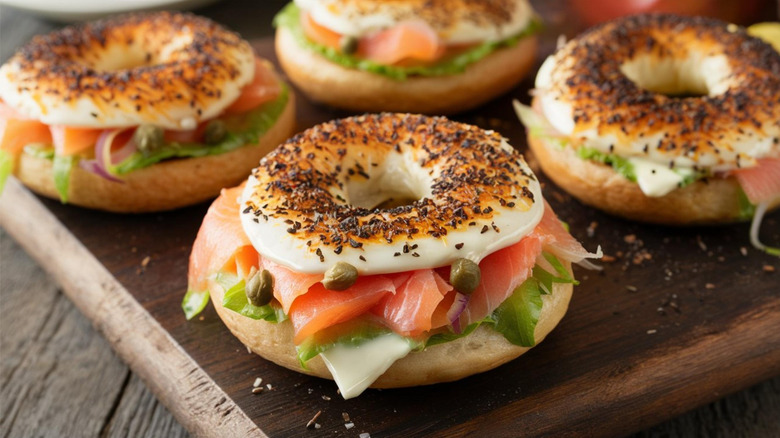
{"x": 306, "y": 262}
{"x": 638, "y": 115}
{"x": 134, "y": 113}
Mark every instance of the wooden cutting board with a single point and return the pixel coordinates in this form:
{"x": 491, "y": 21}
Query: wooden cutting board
{"x": 681, "y": 317}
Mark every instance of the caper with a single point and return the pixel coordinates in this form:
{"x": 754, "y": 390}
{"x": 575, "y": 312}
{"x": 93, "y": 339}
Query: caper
{"x": 340, "y": 276}
{"x": 348, "y": 44}
{"x": 148, "y": 138}
{"x": 215, "y": 132}
{"x": 465, "y": 276}
{"x": 260, "y": 288}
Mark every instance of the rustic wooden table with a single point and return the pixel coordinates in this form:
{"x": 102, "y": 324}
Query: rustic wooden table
{"x": 59, "y": 377}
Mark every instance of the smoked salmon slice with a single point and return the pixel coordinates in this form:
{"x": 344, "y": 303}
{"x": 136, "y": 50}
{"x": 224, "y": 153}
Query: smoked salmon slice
{"x": 409, "y": 40}
{"x": 17, "y": 131}
{"x": 319, "y": 34}
{"x": 762, "y": 182}
{"x": 69, "y": 140}
{"x": 320, "y": 308}
{"x": 265, "y": 87}
{"x": 410, "y": 310}
{"x": 559, "y": 241}
{"x": 502, "y": 272}
{"x": 220, "y": 237}
{"x": 289, "y": 285}
{"x": 15, "y": 134}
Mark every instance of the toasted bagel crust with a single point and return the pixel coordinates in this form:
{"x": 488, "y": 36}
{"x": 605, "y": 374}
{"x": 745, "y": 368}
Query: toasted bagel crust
{"x": 357, "y": 90}
{"x": 596, "y": 184}
{"x": 163, "y": 186}
{"x": 170, "y": 69}
{"x": 482, "y": 350}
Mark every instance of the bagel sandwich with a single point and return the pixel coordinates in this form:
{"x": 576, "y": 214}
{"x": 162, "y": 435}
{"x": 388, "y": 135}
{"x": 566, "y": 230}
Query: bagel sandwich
{"x": 140, "y": 112}
{"x": 373, "y": 250}
{"x": 677, "y": 124}
{"x": 435, "y": 57}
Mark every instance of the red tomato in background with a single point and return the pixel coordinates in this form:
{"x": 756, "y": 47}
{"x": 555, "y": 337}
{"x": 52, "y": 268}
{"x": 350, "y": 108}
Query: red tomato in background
{"x": 734, "y": 11}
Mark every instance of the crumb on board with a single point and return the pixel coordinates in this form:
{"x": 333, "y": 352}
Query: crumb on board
{"x": 702, "y": 245}
{"x": 365, "y": 435}
{"x": 709, "y": 286}
{"x": 631, "y": 288}
{"x": 349, "y": 425}
{"x": 257, "y": 390}
{"x": 326, "y": 398}
{"x": 652, "y": 331}
{"x": 629, "y": 238}
{"x": 145, "y": 262}
{"x": 258, "y": 381}
{"x": 743, "y": 250}
{"x": 768, "y": 268}
{"x": 312, "y": 423}
{"x": 608, "y": 258}
{"x": 591, "y": 230}
{"x": 345, "y": 416}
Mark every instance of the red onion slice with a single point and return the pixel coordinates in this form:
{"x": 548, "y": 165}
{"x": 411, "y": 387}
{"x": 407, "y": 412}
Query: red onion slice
{"x": 458, "y": 306}
{"x": 104, "y": 158}
{"x": 94, "y": 167}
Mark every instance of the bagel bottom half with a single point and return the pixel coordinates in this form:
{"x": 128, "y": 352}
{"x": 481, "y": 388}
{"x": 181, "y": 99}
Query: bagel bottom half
{"x": 713, "y": 201}
{"x": 480, "y": 351}
{"x": 330, "y": 83}
{"x": 163, "y": 186}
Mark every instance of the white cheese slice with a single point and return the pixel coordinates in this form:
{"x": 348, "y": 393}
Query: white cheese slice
{"x": 355, "y": 368}
{"x": 653, "y": 178}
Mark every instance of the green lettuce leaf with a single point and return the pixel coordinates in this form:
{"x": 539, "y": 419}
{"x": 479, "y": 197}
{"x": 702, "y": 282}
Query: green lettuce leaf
{"x": 61, "y": 168}
{"x": 746, "y": 208}
{"x": 39, "y": 150}
{"x": 536, "y": 125}
{"x": 620, "y": 164}
{"x": 546, "y": 279}
{"x": 6, "y": 167}
{"x": 243, "y": 129}
{"x": 448, "y": 336}
{"x": 516, "y": 317}
{"x": 194, "y": 302}
{"x": 289, "y": 17}
{"x": 235, "y": 299}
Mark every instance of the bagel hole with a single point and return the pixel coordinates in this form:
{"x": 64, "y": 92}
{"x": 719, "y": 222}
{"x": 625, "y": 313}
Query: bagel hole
{"x": 389, "y": 203}
{"x": 679, "y": 78}
{"x": 394, "y": 183}
{"x": 112, "y": 61}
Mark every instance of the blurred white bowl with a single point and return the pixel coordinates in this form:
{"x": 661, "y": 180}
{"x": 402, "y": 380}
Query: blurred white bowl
{"x": 80, "y": 10}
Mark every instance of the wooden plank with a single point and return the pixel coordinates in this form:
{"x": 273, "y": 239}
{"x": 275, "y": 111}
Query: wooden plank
{"x": 42, "y": 343}
{"x": 140, "y": 341}
{"x": 48, "y": 375}
{"x": 140, "y": 414}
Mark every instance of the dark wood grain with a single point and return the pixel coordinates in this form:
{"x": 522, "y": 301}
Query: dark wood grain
{"x": 602, "y": 372}
{"x": 58, "y": 377}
